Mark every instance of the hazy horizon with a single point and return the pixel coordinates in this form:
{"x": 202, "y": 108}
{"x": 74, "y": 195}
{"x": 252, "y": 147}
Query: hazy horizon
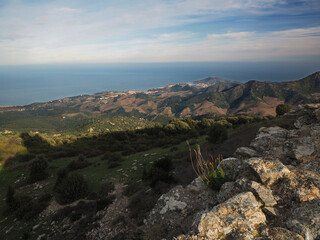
{"x": 58, "y": 48}
{"x": 22, "y": 85}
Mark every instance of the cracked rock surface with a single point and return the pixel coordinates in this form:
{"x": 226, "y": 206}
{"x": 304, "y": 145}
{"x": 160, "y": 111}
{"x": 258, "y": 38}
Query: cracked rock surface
{"x": 276, "y": 194}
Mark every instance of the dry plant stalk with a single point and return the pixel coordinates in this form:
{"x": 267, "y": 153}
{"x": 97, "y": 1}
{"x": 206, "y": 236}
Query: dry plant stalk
{"x": 202, "y": 167}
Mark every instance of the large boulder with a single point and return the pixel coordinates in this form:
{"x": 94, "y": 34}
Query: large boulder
{"x": 268, "y": 171}
{"x": 269, "y": 142}
{"x": 305, "y": 220}
{"x": 278, "y": 233}
{"x": 181, "y": 208}
{"x": 263, "y": 193}
{"x": 246, "y": 152}
{"x": 240, "y": 217}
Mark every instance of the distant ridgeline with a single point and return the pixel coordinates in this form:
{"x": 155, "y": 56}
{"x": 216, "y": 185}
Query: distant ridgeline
{"x": 211, "y": 96}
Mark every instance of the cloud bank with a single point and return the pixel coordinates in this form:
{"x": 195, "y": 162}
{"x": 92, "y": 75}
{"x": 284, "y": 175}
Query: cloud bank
{"x": 33, "y": 32}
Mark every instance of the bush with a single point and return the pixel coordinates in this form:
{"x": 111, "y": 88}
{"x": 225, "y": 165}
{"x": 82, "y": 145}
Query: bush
{"x": 72, "y": 188}
{"x": 10, "y": 200}
{"x": 114, "y": 159}
{"x": 61, "y": 174}
{"x": 30, "y": 209}
{"x": 35, "y": 144}
{"x": 164, "y": 164}
{"x": 217, "y": 134}
{"x": 78, "y": 164}
{"x": 281, "y": 109}
{"x": 37, "y": 169}
{"x": 160, "y": 171}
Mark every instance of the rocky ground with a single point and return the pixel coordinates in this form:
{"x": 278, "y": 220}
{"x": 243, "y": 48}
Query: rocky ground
{"x": 276, "y": 194}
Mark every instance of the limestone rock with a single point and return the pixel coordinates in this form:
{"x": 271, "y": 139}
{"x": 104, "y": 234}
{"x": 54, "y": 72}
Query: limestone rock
{"x": 229, "y": 189}
{"x": 305, "y": 220}
{"x": 246, "y": 152}
{"x": 262, "y": 192}
{"x": 270, "y": 138}
{"x": 182, "y": 207}
{"x": 296, "y": 187}
{"x": 172, "y": 205}
{"x": 268, "y": 171}
{"x": 278, "y": 233}
{"x": 231, "y": 167}
{"x": 239, "y": 217}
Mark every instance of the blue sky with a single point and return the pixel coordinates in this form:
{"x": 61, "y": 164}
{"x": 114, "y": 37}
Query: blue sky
{"x": 97, "y": 31}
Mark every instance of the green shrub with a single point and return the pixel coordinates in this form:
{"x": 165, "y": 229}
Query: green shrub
{"x": 163, "y": 164}
{"x": 61, "y": 174}
{"x": 30, "y": 209}
{"x": 217, "y": 134}
{"x": 37, "y": 169}
{"x": 281, "y": 109}
{"x": 114, "y": 159}
{"x": 80, "y": 163}
{"x": 72, "y": 188}
{"x": 160, "y": 171}
{"x": 10, "y": 200}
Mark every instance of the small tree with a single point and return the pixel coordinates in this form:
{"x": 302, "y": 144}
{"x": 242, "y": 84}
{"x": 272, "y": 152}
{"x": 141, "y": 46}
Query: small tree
{"x": 61, "y": 174}
{"x": 38, "y": 169}
{"x": 71, "y": 188}
{"x": 10, "y": 200}
{"x": 217, "y": 134}
{"x": 281, "y": 109}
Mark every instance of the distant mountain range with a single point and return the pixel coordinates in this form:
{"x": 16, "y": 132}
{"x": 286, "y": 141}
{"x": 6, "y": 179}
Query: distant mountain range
{"x": 205, "y": 97}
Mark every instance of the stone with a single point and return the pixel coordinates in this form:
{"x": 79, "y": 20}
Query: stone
{"x": 269, "y": 138}
{"x": 268, "y": 171}
{"x": 229, "y": 189}
{"x": 41, "y": 237}
{"x": 246, "y": 152}
{"x": 303, "y": 150}
{"x": 239, "y": 217}
{"x": 270, "y": 211}
{"x": 231, "y": 167}
{"x": 172, "y": 205}
{"x": 182, "y": 207}
{"x": 35, "y": 227}
{"x": 305, "y": 220}
{"x": 260, "y": 191}
{"x": 279, "y": 233}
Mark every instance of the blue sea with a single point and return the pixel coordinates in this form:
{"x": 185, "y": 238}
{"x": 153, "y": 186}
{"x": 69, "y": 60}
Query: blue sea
{"x": 21, "y": 85}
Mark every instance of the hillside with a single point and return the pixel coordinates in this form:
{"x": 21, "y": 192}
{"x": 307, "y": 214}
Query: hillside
{"x": 209, "y": 96}
{"x": 137, "y": 184}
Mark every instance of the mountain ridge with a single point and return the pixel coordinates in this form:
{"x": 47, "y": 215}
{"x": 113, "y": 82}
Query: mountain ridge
{"x": 211, "y": 95}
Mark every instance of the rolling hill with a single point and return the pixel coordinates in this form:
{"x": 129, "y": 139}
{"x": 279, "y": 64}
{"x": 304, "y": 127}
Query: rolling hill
{"x": 205, "y": 97}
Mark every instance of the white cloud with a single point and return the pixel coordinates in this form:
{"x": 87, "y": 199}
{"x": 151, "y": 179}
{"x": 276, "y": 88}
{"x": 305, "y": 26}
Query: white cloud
{"x": 136, "y": 32}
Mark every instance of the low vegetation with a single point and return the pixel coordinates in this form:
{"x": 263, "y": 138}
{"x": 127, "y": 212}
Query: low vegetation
{"x": 72, "y": 187}
{"x": 69, "y": 167}
{"x": 282, "y": 109}
{"x": 210, "y": 171}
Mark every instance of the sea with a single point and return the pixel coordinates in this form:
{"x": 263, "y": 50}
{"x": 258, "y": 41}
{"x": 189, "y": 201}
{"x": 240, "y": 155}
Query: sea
{"x": 22, "y": 85}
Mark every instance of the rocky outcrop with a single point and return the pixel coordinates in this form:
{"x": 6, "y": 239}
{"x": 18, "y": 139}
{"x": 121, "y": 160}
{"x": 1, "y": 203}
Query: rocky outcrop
{"x": 239, "y": 217}
{"x": 181, "y": 208}
{"x": 274, "y": 195}
{"x": 276, "y": 192}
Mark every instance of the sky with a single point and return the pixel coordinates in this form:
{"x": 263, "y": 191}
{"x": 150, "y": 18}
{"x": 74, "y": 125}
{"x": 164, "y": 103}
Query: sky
{"x": 116, "y": 31}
